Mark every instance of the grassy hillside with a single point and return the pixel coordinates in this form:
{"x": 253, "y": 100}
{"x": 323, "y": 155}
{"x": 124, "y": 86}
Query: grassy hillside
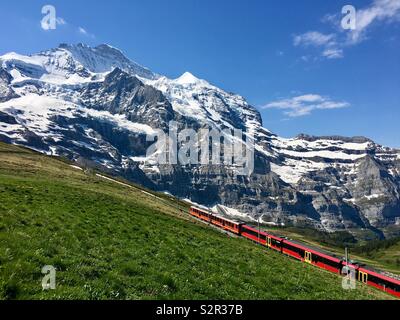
{"x": 110, "y": 241}
{"x": 387, "y": 252}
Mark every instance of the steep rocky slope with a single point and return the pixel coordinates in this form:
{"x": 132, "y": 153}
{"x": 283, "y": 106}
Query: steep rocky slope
{"x": 96, "y": 106}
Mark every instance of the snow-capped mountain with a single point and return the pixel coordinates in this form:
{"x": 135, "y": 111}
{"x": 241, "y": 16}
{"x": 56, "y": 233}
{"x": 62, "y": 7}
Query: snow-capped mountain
{"x": 96, "y": 106}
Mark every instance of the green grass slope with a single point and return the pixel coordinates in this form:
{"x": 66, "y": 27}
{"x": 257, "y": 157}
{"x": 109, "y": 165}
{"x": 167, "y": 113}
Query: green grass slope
{"x": 110, "y": 241}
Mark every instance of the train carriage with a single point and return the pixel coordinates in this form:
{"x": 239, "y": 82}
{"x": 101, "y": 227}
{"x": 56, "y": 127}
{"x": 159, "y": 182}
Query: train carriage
{"x": 274, "y": 242}
{"x": 254, "y": 235}
{"x": 321, "y": 258}
{"x": 371, "y": 277}
{"x": 261, "y": 237}
{"x": 201, "y": 214}
{"x": 326, "y": 262}
{"x": 294, "y": 250}
{"x": 221, "y": 222}
{"x": 312, "y": 256}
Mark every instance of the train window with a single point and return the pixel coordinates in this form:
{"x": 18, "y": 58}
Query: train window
{"x": 255, "y": 234}
{"x": 384, "y": 283}
{"x": 251, "y": 232}
{"x": 329, "y": 262}
{"x": 275, "y": 242}
{"x": 294, "y": 249}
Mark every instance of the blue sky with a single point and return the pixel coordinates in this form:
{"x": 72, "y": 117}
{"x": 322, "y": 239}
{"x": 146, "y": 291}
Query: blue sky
{"x": 290, "y": 59}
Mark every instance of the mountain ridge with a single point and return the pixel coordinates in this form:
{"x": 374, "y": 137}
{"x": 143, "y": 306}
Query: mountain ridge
{"x": 96, "y": 105}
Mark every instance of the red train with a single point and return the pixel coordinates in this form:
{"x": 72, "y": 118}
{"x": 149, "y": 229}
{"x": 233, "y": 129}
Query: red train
{"x": 299, "y": 251}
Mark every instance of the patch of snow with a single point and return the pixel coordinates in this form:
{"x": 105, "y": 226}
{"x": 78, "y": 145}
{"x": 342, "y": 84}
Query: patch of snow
{"x": 34, "y": 111}
{"x": 334, "y": 155}
{"x": 187, "y": 79}
{"x": 76, "y": 167}
{"x": 374, "y": 196}
{"x": 293, "y": 170}
{"x": 233, "y": 212}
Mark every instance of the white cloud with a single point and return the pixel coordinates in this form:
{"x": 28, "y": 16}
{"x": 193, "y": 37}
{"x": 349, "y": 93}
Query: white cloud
{"x": 82, "y": 30}
{"x": 380, "y": 10}
{"x": 305, "y": 104}
{"x": 313, "y": 38}
{"x": 327, "y": 42}
{"x": 60, "y": 21}
{"x": 333, "y": 44}
{"x": 333, "y": 53}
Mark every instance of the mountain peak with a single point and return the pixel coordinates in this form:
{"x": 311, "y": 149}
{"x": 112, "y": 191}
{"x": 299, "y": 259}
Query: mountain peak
{"x": 105, "y": 46}
{"x": 187, "y": 78}
{"x": 104, "y": 58}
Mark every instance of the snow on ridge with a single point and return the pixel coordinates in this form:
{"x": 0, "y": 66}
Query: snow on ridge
{"x": 120, "y": 120}
{"x": 334, "y": 155}
{"x": 13, "y": 56}
{"x": 320, "y": 144}
{"x": 72, "y": 64}
{"x": 292, "y": 170}
{"x": 233, "y": 213}
{"x": 34, "y": 111}
{"x": 368, "y": 197}
{"x": 76, "y": 167}
{"x": 374, "y": 196}
{"x": 58, "y": 68}
{"x": 105, "y": 58}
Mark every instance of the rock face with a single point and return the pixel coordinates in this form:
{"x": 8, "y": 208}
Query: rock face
{"x": 124, "y": 94}
{"x": 6, "y": 91}
{"x": 97, "y": 107}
